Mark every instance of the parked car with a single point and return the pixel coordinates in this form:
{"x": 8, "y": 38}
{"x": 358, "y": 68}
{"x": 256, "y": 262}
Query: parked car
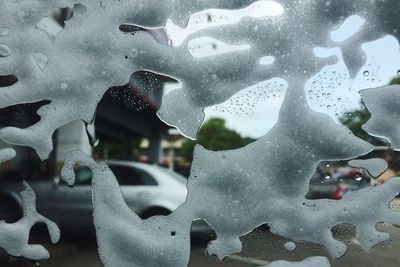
{"x": 147, "y": 189}
{"x": 335, "y": 185}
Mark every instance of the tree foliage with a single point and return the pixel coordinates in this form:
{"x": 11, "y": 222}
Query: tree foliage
{"x": 395, "y": 81}
{"x": 354, "y": 121}
{"x": 214, "y": 135}
{"x": 356, "y": 118}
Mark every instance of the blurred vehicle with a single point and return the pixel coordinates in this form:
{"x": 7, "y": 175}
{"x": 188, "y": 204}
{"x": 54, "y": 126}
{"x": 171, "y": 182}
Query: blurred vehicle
{"x": 334, "y": 186}
{"x": 147, "y": 189}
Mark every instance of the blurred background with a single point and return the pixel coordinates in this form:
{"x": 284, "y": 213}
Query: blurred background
{"x": 152, "y": 161}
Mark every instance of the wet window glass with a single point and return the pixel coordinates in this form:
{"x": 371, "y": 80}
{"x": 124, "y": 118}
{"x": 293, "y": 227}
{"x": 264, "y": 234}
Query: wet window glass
{"x": 83, "y": 176}
{"x": 131, "y": 176}
{"x": 199, "y": 133}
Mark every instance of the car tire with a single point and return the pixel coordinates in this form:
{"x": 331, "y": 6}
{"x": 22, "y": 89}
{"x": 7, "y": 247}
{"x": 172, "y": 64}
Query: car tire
{"x": 154, "y": 211}
{"x": 10, "y": 210}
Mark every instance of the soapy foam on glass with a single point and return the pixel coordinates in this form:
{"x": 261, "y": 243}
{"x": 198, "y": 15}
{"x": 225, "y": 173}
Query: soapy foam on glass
{"x": 73, "y": 69}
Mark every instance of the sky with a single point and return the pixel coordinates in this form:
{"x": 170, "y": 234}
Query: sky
{"x": 382, "y": 63}
{"x": 331, "y": 91}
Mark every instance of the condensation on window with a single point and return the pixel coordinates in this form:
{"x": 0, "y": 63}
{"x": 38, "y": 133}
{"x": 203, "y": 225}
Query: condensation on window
{"x": 288, "y": 69}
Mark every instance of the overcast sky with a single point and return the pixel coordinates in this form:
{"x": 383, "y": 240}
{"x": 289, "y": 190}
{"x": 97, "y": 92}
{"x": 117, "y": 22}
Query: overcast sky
{"x": 382, "y": 63}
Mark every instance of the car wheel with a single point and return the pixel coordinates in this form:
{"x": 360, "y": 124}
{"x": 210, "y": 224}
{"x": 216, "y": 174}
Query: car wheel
{"x": 154, "y": 211}
{"x": 10, "y": 211}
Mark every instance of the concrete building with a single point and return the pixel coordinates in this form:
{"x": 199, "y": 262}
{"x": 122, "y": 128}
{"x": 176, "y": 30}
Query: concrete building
{"x": 124, "y": 113}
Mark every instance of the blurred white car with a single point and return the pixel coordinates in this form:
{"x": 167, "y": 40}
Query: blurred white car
{"x": 147, "y": 189}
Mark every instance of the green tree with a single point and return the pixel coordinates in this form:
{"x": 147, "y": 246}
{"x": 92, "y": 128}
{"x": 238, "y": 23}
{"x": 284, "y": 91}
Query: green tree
{"x": 395, "y": 80}
{"x": 214, "y": 135}
{"x": 356, "y": 118}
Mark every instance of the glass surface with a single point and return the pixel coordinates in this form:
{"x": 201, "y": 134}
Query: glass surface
{"x": 267, "y": 133}
{"x": 131, "y": 176}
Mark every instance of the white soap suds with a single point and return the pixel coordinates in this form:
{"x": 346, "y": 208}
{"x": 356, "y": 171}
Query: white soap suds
{"x": 349, "y": 27}
{"x": 14, "y": 237}
{"x": 5, "y": 51}
{"x": 234, "y": 193}
{"x": 375, "y": 166}
{"x": 383, "y": 103}
{"x": 309, "y": 262}
{"x": 91, "y": 63}
{"x": 207, "y": 47}
{"x": 124, "y": 239}
{"x": 41, "y": 59}
{"x": 49, "y": 26}
{"x": 217, "y": 18}
{"x": 93, "y": 53}
{"x": 4, "y": 31}
{"x": 7, "y": 154}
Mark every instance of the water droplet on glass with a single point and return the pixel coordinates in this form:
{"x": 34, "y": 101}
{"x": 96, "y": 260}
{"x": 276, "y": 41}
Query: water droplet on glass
{"x": 5, "y": 51}
{"x": 358, "y": 177}
{"x": 290, "y": 246}
{"x": 366, "y": 73}
{"x": 4, "y": 31}
{"x": 398, "y": 72}
{"x": 327, "y": 176}
{"x": 64, "y": 86}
